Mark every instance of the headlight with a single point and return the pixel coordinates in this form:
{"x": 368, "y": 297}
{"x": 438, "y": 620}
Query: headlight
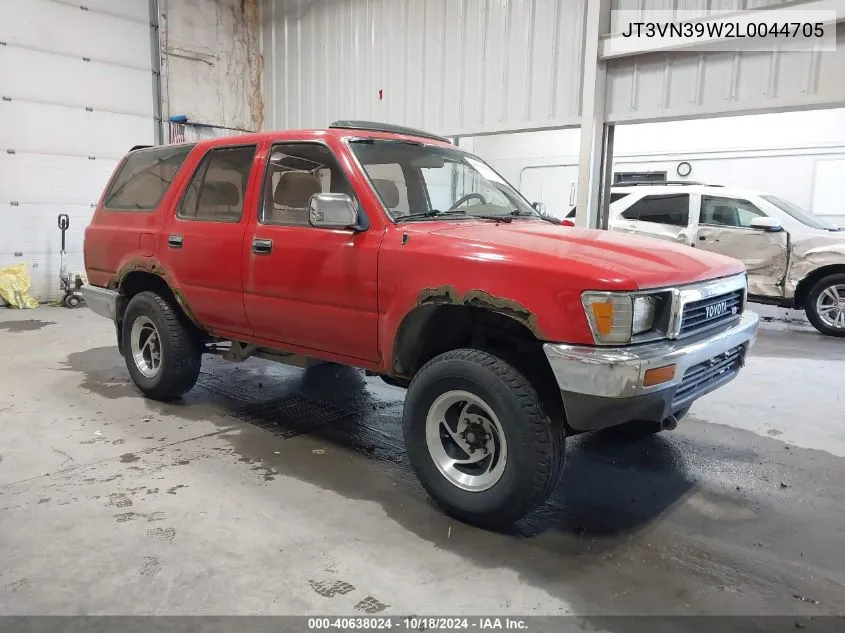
{"x": 616, "y": 317}
{"x": 643, "y": 320}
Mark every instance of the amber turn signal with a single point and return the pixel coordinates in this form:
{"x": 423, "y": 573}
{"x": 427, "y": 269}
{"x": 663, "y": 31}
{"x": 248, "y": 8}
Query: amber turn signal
{"x": 603, "y": 313}
{"x": 658, "y": 375}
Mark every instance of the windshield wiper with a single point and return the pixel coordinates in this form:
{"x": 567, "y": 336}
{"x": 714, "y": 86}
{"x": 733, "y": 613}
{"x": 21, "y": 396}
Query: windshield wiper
{"x": 420, "y": 214}
{"x": 434, "y": 213}
{"x": 525, "y": 214}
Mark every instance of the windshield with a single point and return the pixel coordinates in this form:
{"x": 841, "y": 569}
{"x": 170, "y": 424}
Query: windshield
{"x": 416, "y": 180}
{"x": 799, "y": 214}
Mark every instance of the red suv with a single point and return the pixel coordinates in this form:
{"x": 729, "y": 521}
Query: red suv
{"x": 392, "y": 250}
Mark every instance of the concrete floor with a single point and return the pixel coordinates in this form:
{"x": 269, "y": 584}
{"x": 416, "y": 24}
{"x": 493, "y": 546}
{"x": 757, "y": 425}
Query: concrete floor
{"x": 272, "y": 490}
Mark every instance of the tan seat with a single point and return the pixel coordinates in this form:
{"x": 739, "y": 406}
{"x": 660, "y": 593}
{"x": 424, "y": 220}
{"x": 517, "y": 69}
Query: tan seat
{"x": 388, "y": 191}
{"x": 291, "y": 197}
{"x": 219, "y": 199}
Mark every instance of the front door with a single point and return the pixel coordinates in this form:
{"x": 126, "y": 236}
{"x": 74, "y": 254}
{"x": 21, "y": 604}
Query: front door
{"x": 661, "y": 216}
{"x": 304, "y": 286}
{"x": 202, "y": 243}
{"x": 724, "y": 227}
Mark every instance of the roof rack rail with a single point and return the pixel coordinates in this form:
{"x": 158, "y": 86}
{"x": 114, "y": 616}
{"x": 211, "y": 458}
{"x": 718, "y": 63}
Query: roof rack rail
{"x": 647, "y": 183}
{"x": 140, "y": 147}
{"x": 373, "y": 126}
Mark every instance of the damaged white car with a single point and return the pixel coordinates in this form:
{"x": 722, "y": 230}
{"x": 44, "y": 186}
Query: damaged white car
{"x": 794, "y": 259}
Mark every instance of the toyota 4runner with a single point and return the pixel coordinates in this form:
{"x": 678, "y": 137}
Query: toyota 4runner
{"x": 394, "y": 251}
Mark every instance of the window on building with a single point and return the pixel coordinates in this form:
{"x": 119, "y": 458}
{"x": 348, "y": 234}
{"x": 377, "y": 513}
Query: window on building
{"x": 639, "y": 176}
{"x": 144, "y": 178}
{"x": 216, "y": 191}
{"x": 671, "y": 209}
{"x": 716, "y": 211}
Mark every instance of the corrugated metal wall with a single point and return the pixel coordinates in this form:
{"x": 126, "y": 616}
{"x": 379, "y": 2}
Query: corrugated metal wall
{"x": 450, "y": 66}
{"x": 663, "y": 86}
{"x": 702, "y": 7}
{"x": 479, "y": 66}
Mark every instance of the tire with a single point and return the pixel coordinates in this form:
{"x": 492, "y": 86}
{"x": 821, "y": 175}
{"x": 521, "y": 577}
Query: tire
{"x": 822, "y": 295}
{"x": 176, "y": 347}
{"x": 530, "y": 445}
{"x": 72, "y": 301}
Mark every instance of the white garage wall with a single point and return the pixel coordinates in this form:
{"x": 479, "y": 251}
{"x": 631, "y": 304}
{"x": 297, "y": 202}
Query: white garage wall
{"x": 786, "y": 154}
{"x": 77, "y": 93}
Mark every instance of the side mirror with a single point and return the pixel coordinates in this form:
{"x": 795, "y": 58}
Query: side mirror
{"x": 769, "y": 225}
{"x": 539, "y": 207}
{"x": 332, "y": 211}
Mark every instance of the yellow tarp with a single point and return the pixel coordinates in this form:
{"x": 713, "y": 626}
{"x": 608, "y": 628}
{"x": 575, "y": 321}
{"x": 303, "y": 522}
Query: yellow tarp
{"x": 14, "y": 287}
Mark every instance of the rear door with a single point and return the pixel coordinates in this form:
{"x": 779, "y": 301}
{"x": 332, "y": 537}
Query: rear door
{"x": 304, "y": 286}
{"x": 661, "y": 216}
{"x": 724, "y": 227}
{"x": 202, "y": 243}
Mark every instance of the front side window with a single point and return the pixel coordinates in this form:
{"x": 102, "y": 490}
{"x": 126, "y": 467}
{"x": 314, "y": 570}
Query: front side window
{"x": 717, "y": 211}
{"x": 216, "y": 192}
{"x": 144, "y": 178}
{"x": 295, "y": 172}
{"x": 672, "y": 210}
{"x": 434, "y": 180}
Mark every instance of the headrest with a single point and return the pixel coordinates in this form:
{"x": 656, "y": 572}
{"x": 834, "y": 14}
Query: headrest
{"x": 722, "y": 214}
{"x": 295, "y": 189}
{"x": 388, "y": 191}
{"x": 220, "y": 193}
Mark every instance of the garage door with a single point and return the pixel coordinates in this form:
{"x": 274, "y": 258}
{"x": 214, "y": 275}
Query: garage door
{"x": 77, "y": 93}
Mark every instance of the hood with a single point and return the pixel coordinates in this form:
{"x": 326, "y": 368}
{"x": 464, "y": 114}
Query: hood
{"x": 646, "y": 262}
{"x": 818, "y": 241}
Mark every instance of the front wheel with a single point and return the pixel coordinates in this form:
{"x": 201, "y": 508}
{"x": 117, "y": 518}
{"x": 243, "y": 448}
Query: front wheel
{"x": 479, "y": 440}
{"x": 825, "y": 305}
{"x": 161, "y": 351}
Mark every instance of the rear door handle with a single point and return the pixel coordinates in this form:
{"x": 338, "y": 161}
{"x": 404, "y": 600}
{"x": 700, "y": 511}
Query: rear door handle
{"x": 262, "y": 247}
{"x": 701, "y": 238}
{"x": 174, "y": 241}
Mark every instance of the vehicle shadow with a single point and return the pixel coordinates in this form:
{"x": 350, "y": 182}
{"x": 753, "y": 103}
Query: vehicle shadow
{"x": 613, "y": 485}
{"x": 614, "y": 482}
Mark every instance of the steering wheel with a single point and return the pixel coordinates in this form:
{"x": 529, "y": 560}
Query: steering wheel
{"x": 467, "y": 198}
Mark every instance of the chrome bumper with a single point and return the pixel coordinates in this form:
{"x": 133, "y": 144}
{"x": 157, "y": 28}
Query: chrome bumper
{"x": 101, "y": 300}
{"x": 602, "y": 386}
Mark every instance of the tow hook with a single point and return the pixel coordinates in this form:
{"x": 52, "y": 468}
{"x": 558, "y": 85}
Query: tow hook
{"x": 670, "y": 423}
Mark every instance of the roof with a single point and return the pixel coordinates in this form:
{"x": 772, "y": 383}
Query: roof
{"x": 686, "y": 187}
{"x": 342, "y": 130}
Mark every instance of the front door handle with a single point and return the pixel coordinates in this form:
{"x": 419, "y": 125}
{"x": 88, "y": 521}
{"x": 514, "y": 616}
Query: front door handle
{"x": 701, "y": 238}
{"x": 174, "y": 241}
{"x": 262, "y": 247}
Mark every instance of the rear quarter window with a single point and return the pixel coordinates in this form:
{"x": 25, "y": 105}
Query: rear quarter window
{"x": 144, "y": 177}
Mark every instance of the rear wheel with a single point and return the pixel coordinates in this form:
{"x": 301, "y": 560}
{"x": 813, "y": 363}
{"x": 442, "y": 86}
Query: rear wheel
{"x": 161, "y": 351}
{"x": 479, "y": 440}
{"x": 825, "y": 305}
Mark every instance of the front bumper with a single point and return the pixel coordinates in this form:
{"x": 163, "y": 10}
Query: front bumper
{"x": 603, "y": 386}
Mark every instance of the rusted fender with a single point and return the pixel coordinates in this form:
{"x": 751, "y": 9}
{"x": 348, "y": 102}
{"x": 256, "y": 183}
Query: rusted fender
{"x": 447, "y": 295}
{"x": 155, "y": 267}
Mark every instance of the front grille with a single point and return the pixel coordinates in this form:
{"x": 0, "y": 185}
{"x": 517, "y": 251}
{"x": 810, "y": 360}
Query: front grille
{"x": 701, "y": 377}
{"x": 710, "y": 312}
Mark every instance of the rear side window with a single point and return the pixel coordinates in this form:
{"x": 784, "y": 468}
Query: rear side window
{"x": 144, "y": 178}
{"x": 672, "y": 210}
{"x": 216, "y": 191}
